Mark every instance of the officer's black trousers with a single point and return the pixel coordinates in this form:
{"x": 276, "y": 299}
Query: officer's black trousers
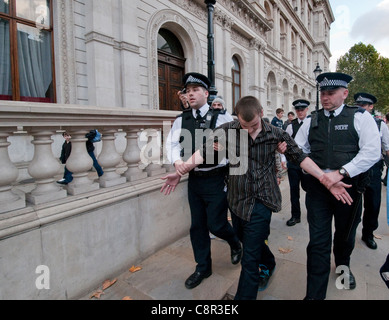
{"x": 209, "y": 207}
{"x": 321, "y": 208}
{"x": 372, "y": 201}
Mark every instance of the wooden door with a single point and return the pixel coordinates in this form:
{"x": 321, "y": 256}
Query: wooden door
{"x": 171, "y": 70}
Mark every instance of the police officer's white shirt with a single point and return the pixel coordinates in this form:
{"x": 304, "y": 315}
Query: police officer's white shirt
{"x": 289, "y": 128}
{"x": 369, "y": 141}
{"x": 173, "y": 146}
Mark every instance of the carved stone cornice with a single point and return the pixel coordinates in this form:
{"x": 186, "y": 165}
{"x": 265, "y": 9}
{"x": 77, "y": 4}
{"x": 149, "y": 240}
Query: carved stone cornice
{"x": 193, "y": 8}
{"x": 99, "y": 37}
{"x": 258, "y": 44}
{"x": 246, "y": 14}
{"x": 223, "y": 19}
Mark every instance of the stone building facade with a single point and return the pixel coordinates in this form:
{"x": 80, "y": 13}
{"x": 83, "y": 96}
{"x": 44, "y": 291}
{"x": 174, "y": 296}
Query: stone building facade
{"x": 116, "y": 65}
{"x": 107, "y": 51}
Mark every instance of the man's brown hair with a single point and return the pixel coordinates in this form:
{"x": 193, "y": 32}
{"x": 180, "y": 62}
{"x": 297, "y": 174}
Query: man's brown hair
{"x": 248, "y": 107}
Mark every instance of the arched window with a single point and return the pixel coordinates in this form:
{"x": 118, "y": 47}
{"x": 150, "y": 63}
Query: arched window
{"x": 26, "y": 51}
{"x": 236, "y": 81}
{"x": 171, "y": 70}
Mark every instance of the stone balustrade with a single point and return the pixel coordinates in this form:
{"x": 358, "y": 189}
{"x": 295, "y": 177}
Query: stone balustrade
{"x": 42, "y": 121}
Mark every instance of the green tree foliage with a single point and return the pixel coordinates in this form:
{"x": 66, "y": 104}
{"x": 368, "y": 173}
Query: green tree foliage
{"x": 370, "y": 72}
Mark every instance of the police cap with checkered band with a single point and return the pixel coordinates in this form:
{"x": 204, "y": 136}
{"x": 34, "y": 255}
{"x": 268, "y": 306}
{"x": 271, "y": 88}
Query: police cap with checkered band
{"x": 362, "y": 98}
{"x": 301, "y": 104}
{"x": 195, "y": 78}
{"x": 333, "y": 80}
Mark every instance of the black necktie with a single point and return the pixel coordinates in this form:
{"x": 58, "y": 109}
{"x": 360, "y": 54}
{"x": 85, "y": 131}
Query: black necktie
{"x": 198, "y": 113}
{"x": 332, "y": 114}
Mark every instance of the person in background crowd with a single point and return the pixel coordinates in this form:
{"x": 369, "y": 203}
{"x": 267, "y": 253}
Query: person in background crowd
{"x": 291, "y": 117}
{"x": 344, "y": 142}
{"x": 295, "y": 174}
{"x": 91, "y": 148}
{"x": 372, "y": 195}
{"x": 218, "y": 104}
{"x": 65, "y": 153}
{"x": 277, "y": 120}
{"x": 68, "y": 176}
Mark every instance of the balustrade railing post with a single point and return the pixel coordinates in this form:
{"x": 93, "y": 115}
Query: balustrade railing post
{"x": 151, "y": 153}
{"x": 132, "y": 156}
{"x": 79, "y": 163}
{"x": 109, "y": 158}
{"x": 43, "y": 168}
{"x": 9, "y": 199}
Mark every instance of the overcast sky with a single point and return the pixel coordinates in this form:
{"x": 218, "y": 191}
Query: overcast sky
{"x": 359, "y": 21}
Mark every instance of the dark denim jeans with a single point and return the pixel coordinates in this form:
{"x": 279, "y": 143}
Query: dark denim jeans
{"x": 68, "y": 176}
{"x": 96, "y": 165}
{"x": 253, "y": 235}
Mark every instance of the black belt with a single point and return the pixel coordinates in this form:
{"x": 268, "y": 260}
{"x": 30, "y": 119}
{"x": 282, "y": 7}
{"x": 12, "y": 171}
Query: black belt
{"x": 209, "y": 173}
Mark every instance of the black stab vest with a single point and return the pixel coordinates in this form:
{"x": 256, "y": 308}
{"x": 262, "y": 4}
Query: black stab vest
{"x": 199, "y": 131}
{"x": 334, "y": 142}
{"x": 295, "y": 127}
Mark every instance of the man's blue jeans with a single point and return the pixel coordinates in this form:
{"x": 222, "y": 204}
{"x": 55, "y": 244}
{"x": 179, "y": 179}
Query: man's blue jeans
{"x": 253, "y": 235}
{"x": 96, "y": 165}
{"x": 68, "y": 176}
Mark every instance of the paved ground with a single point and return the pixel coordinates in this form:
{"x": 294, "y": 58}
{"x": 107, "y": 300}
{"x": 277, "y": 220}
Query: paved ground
{"x": 163, "y": 274}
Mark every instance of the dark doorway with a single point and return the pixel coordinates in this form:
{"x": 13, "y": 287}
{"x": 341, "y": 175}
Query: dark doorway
{"x": 171, "y": 69}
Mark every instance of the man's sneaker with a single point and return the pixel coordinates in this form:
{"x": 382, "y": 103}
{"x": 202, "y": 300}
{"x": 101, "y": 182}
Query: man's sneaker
{"x": 264, "y": 276}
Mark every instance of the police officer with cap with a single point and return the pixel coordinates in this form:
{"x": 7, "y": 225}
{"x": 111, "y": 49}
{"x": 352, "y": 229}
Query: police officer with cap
{"x": 372, "y": 195}
{"x": 295, "y": 173}
{"x": 206, "y": 184}
{"x": 344, "y": 143}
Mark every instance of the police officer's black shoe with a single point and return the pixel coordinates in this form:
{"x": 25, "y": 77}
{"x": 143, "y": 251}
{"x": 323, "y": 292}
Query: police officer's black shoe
{"x": 352, "y": 284}
{"x": 292, "y": 222}
{"x": 236, "y": 255}
{"x": 370, "y": 242}
{"x": 195, "y": 279}
{"x": 352, "y": 281}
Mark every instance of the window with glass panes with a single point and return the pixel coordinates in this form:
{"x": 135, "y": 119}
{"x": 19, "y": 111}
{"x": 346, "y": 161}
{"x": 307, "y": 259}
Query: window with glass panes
{"x": 26, "y": 51}
{"x": 236, "y": 81}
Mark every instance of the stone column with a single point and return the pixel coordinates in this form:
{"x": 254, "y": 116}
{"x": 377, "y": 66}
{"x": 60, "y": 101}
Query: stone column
{"x": 100, "y": 43}
{"x": 261, "y": 73}
{"x": 43, "y": 168}
{"x": 109, "y": 158}
{"x": 9, "y": 199}
{"x": 79, "y": 163}
{"x": 132, "y": 156}
{"x": 255, "y": 45}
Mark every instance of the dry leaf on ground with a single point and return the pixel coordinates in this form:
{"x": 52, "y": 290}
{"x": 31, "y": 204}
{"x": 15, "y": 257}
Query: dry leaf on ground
{"x": 127, "y": 298}
{"x": 284, "y": 251}
{"x": 96, "y": 294}
{"x": 108, "y": 283}
{"x": 290, "y": 238}
{"x": 378, "y": 237}
{"x": 134, "y": 269}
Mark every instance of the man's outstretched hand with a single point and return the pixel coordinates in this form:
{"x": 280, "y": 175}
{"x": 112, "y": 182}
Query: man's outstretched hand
{"x": 172, "y": 180}
{"x": 339, "y": 191}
